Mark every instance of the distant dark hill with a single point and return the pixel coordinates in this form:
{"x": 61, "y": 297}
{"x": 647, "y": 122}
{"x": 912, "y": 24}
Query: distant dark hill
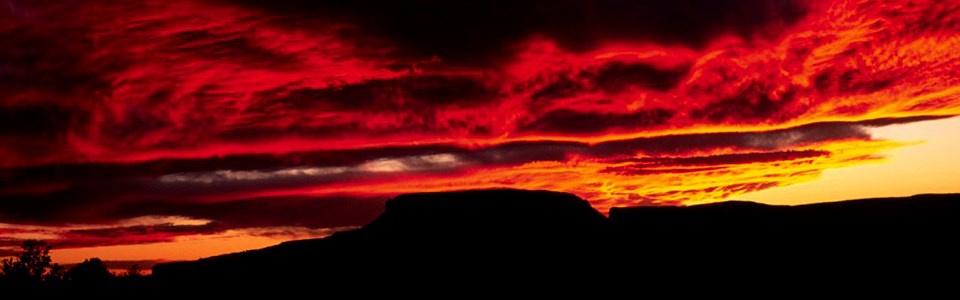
{"x": 864, "y": 232}
{"x": 427, "y": 239}
{"x": 918, "y": 216}
{"x": 507, "y": 238}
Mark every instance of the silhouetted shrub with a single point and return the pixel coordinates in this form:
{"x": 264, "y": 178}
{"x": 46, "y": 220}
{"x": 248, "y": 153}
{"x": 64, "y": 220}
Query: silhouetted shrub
{"x": 90, "y": 273}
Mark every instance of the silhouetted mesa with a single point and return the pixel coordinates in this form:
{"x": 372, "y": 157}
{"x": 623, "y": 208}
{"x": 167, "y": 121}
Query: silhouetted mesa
{"x": 494, "y": 214}
{"x": 460, "y": 238}
{"x": 446, "y": 236}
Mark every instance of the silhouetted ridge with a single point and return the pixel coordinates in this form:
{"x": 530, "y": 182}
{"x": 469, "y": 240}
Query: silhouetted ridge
{"x": 505, "y": 239}
{"x": 444, "y": 236}
{"x": 926, "y": 210}
{"x": 487, "y": 211}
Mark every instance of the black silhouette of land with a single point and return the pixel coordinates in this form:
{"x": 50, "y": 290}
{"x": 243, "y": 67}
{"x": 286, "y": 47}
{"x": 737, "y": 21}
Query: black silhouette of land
{"x": 502, "y": 239}
{"x": 540, "y": 242}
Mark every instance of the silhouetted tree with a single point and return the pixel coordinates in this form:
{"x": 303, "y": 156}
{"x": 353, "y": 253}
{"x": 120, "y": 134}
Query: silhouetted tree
{"x": 133, "y": 278}
{"x": 29, "y": 266}
{"x": 134, "y": 271}
{"x": 91, "y": 272}
{"x": 55, "y": 277}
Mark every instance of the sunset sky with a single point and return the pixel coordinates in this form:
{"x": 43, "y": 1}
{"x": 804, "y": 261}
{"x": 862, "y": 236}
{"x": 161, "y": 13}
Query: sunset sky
{"x": 179, "y": 129}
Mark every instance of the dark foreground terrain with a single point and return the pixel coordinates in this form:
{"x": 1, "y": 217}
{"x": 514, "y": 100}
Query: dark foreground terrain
{"x": 496, "y": 239}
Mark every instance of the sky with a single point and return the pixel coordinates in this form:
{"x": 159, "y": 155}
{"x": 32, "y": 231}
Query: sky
{"x": 178, "y": 129}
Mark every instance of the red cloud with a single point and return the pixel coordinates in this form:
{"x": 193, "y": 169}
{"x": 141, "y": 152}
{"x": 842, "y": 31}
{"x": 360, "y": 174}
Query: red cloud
{"x": 190, "y": 104}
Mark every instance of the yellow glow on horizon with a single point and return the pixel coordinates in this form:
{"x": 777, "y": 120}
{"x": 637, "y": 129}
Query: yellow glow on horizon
{"x": 930, "y": 166}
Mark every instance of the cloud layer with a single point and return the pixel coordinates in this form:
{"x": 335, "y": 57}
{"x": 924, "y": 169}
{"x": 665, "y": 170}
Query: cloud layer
{"x": 310, "y": 114}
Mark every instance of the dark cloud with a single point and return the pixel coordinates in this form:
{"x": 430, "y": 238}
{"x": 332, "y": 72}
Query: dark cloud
{"x": 101, "y": 207}
{"x": 127, "y": 235}
{"x": 81, "y": 203}
{"x": 708, "y": 163}
{"x": 763, "y": 140}
{"x": 90, "y": 176}
{"x": 104, "y": 192}
{"x": 762, "y": 106}
{"x": 611, "y": 78}
{"x": 480, "y": 32}
{"x": 280, "y": 217}
{"x": 311, "y": 212}
{"x": 44, "y": 120}
{"x": 406, "y": 90}
{"x": 579, "y": 123}
{"x": 730, "y": 189}
{"x": 634, "y": 170}
{"x": 618, "y": 76}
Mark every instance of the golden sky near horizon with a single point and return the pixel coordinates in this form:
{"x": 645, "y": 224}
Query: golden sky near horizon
{"x": 932, "y": 165}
